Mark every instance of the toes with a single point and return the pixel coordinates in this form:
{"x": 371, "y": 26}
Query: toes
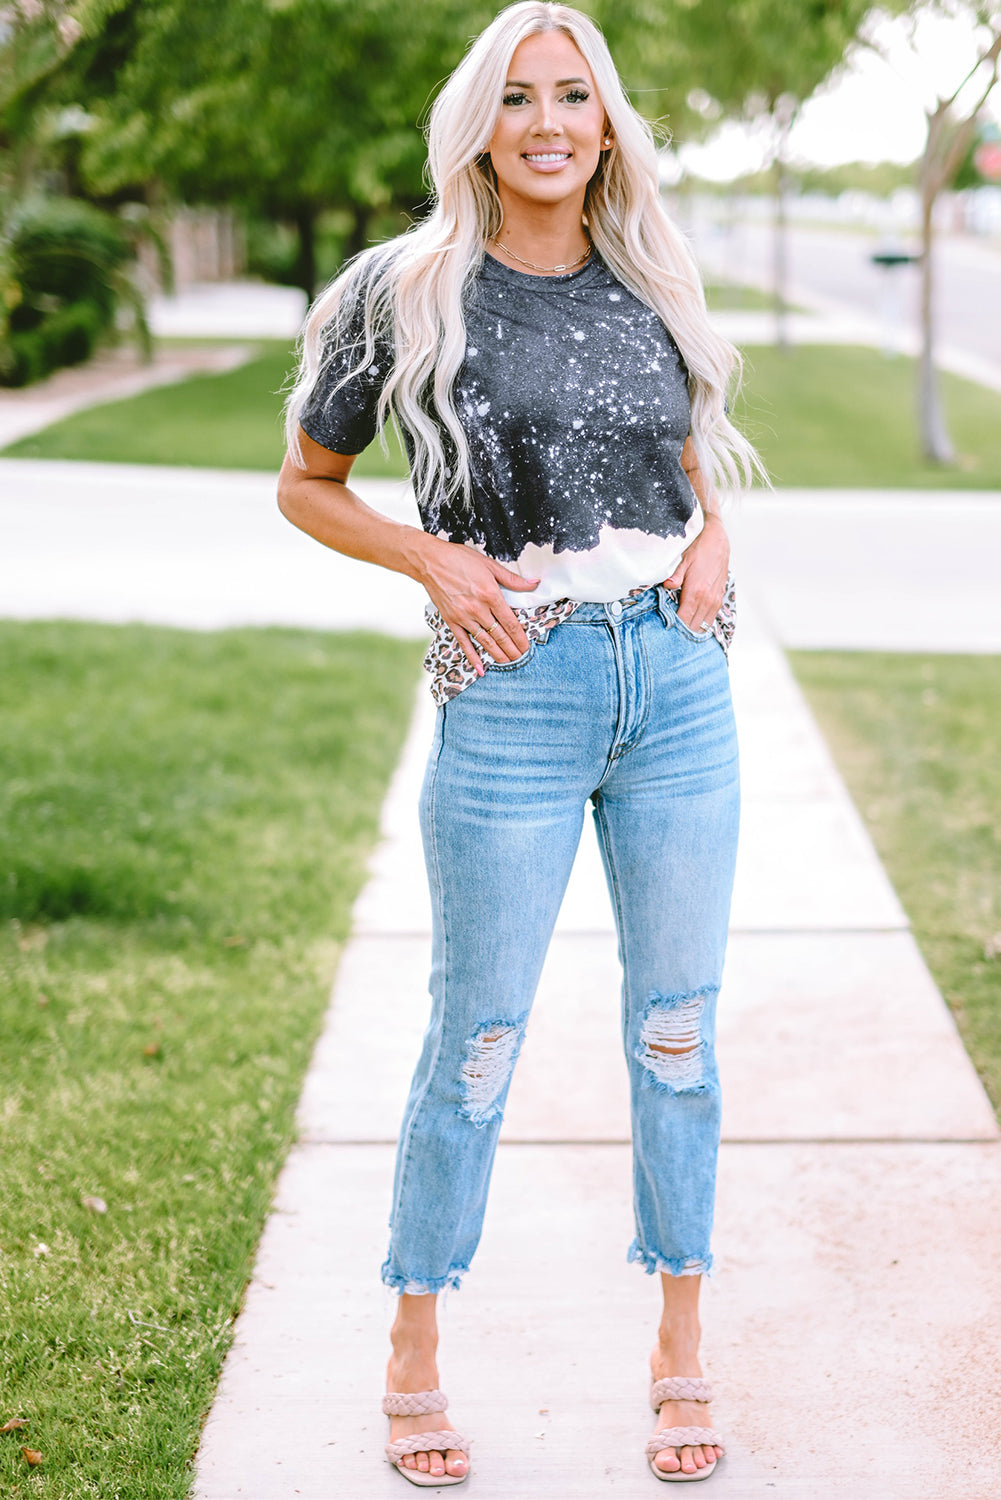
{"x": 432, "y": 1463}
{"x": 688, "y": 1460}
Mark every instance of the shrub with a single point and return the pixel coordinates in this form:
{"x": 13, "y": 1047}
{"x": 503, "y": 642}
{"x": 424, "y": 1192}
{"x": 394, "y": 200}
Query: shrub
{"x": 71, "y": 333}
{"x": 63, "y": 260}
{"x": 23, "y": 358}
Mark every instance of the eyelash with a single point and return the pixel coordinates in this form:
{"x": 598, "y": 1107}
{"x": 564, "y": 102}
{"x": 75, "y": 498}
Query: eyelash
{"x": 575, "y": 95}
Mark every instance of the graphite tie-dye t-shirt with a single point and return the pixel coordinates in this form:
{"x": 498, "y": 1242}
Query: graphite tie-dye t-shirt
{"x": 574, "y": 400}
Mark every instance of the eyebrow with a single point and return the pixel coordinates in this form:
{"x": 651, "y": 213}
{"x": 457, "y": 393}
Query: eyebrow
{"x": 561, "y": 83}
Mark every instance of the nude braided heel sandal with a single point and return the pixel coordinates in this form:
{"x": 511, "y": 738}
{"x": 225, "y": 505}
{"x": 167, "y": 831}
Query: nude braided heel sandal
{"x": 681, "y": 1388}
{"x": 419, "y": 1404}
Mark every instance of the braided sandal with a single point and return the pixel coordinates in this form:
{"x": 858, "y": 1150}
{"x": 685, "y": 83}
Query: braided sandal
{"x": 419, "y": 1404}
{"x": 681, "y": 1388}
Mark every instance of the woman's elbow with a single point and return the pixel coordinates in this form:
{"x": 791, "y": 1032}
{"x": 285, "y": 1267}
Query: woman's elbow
{"x": 289, "y": 480}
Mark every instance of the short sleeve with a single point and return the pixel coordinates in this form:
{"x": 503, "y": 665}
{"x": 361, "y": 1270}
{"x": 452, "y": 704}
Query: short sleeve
{"x": 345, "y": 418}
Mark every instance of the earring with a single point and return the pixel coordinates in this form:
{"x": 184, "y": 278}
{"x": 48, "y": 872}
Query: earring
{"x": 608, "y": 140}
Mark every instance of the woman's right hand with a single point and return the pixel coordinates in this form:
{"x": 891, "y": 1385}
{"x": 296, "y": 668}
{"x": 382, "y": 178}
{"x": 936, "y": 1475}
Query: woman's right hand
{"x": 465, "y": 587}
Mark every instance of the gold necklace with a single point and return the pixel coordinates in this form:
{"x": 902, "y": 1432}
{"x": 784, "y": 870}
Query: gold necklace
{"x": 531, "y": 263}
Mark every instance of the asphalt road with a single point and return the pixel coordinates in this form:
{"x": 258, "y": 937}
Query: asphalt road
{"x": 834, "y": 266}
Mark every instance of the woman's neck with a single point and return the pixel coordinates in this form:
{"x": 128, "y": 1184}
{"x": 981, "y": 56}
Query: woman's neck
{"x": 544, "y": 241}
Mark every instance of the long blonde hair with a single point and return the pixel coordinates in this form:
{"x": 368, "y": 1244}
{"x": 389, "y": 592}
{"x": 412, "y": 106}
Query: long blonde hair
{"x": 408, "y": 292}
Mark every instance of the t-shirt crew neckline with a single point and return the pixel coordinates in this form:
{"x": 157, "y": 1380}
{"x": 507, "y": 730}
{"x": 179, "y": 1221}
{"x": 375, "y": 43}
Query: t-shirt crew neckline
{"x": 508, "y": 273}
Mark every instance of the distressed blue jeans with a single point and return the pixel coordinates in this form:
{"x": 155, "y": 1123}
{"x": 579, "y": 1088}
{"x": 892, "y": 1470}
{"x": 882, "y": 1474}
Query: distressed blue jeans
{"x": 623, "y": 706}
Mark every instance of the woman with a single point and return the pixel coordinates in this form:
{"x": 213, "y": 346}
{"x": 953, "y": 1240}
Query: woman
{"x": 543, "y": 343}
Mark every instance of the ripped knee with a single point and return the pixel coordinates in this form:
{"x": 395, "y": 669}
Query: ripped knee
{"x": 671, "y": 1047}
{"x": 491, "y": 1054}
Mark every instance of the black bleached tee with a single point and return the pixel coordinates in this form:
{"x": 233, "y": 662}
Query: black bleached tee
{"x": 574, "y": 400}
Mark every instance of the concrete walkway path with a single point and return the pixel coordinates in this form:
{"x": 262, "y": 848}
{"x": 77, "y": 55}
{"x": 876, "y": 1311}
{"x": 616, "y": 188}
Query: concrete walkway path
{"x": 852, "y": 1324}
{"x": 199, "y": 548}
{"x": 229, "y": 310}
{"x": 868, "y": 569}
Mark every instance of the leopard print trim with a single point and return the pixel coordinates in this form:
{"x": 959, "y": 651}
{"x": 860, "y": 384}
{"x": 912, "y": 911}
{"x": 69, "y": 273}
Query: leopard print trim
{"x": 451, "y": 673}
{"x": 725, "y": 623}
{"x": 446, "y": 660}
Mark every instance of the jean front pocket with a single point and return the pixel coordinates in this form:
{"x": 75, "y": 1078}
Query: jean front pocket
{"x": 698, "y": 636}
{"x": 512, "y": 666}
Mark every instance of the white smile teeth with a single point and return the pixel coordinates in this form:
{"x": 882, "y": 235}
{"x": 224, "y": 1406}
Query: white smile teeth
{"x": 547, "y": 156}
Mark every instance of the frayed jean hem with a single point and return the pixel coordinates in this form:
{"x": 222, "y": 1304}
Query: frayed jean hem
{"x": 690, "y": 1265}
{"x": 428, "y": 1288}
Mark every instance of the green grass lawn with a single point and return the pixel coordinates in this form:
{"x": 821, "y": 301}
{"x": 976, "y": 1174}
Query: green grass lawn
{"x": 230, "y": 421}
{"x": 730, "y": 296}
{"x": 916, "y": 738}
{"x": 837, "y": 415}
{"x": 184, "y": 820}
{"x": 821, "y": 415}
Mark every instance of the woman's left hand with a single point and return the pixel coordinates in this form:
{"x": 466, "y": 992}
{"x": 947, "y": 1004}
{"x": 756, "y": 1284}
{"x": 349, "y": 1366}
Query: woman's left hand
{"x": 701, "y": 574}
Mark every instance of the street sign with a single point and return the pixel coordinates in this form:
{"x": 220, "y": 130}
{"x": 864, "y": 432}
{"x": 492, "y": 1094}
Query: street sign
{"x": 893, "y": 258}
{"x": 987, "y": 160}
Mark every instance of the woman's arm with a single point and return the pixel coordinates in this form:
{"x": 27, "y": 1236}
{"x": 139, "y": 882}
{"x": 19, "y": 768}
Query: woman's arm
{"x": 464, "y": 585}
{"x": 701, "y": 575}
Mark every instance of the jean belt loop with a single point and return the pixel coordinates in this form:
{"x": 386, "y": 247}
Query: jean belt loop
{"x": 663, "y": 606}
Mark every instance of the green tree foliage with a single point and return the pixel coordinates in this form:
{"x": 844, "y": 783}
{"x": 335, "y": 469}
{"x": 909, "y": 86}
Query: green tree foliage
{"x": 65, "y": 263}
{"x": 36, "y": 37}
{"x": 286, "y": 106}
{"x": 294, "y": 107}
{"x": 750, "y": 54}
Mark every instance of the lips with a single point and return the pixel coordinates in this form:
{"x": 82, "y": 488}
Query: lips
{"x": 547, "y": 162}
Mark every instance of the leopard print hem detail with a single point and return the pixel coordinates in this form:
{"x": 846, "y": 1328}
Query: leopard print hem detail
{"x": 451, "y": 673}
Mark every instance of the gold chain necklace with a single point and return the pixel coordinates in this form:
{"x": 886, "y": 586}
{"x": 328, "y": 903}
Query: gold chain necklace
{"x": 531, "y": 263}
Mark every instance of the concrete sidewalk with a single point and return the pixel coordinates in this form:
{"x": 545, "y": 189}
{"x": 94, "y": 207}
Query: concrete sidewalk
{"x": 868, "y": 569}
{"x": 852, "y": 1323}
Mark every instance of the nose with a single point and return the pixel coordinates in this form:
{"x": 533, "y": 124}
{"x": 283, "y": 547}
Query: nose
{"x": 546, "y": 122}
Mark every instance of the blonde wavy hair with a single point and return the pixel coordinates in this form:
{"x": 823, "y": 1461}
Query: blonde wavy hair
{"x": 407, "y": 293}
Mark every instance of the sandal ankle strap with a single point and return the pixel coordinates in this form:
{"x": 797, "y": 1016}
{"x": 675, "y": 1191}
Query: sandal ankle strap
{"x": 413, "y": 1403}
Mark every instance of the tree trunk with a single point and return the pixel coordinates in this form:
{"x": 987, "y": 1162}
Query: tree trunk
{"x": 780, "y": 248}
{"x": 305, "y": 265}
{"x": 936, "y": 444}
{"x": 358, "y": 238}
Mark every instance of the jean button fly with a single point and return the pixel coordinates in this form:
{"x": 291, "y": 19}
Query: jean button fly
{"x": 615, "y": 608}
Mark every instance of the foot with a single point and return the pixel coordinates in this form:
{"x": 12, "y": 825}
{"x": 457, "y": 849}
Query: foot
{"x": 678, "y": 1357}
{"x": 414, "y": 1369}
